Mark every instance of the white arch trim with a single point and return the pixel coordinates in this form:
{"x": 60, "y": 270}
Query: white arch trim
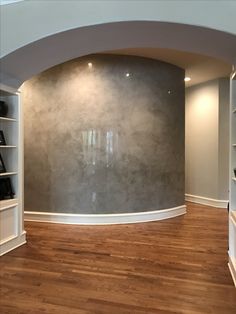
{"x": 40, "y": 55}
{"x": 4, "y": 2}
{"x": 19, "y": 22}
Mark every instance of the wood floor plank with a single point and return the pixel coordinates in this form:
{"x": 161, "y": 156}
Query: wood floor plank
{"x": 177, "y": 265}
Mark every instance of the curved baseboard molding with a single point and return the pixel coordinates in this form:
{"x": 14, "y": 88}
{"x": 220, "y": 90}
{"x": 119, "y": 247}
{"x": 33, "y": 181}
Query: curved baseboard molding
{"x": 105, "y": 219}
{"x": 206, "y": 201}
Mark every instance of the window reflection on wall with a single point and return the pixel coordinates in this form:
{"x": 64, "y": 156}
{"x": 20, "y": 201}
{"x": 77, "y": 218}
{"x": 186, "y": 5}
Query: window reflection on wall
{"x": 100, "y": 146}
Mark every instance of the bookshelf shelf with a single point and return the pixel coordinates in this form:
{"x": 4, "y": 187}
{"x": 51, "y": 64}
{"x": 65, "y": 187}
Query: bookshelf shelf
{"x": 11, "y": 210}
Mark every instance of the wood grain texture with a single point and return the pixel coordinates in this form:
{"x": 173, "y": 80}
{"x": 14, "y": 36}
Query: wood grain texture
{"x": 173, "y": 266}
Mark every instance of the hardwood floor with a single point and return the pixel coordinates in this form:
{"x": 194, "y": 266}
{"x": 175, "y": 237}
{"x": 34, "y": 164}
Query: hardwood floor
{"x": 172, "y": 266}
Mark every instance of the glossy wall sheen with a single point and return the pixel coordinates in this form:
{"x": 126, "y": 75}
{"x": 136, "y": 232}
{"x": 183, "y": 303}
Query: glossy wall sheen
{"x": 98, "y": 141}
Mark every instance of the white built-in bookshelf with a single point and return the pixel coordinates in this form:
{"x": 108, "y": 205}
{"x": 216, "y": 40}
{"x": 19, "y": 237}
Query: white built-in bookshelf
{"x": 12, "y": 232}
{"x": 232, "y": 183}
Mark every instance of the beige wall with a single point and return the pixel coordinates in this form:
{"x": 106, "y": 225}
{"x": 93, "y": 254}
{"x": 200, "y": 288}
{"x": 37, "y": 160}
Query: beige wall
{"x": 207, "y": 140}
{"x": 223, "y": 187}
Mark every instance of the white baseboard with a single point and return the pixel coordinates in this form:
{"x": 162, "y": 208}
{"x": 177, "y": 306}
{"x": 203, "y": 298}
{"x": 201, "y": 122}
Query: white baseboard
{"x": 232, "y": 268}
{"x": 206, "y": 201}
{"x": 105, "y": 219}
{"x": 12, "y": 243}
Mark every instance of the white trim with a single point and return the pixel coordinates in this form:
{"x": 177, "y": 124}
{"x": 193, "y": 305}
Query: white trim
{"x": 104, "y": 219}
{"x": 5, "y": 2}
{"x": 232, "y": 268}
{"x": 12, "y": 243}
{"x": 206, "y": 201}
{"x": 232, "y": 217}
{"x": 6, "y": 204}
{"x": 12, "y": 237}
{"x": 8, "y": 89}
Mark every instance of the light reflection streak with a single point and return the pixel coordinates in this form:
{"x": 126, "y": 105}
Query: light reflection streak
{"x": 100, "y": 146}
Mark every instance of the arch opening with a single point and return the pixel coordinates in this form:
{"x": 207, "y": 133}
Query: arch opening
{"x": 38, "y": 56}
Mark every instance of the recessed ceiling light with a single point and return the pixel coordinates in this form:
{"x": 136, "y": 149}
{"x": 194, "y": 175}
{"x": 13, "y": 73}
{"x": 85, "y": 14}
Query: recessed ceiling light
{"x": 127, "y": 74}
{"x": 187, "y": 79}
{"x": 90, "y": 64}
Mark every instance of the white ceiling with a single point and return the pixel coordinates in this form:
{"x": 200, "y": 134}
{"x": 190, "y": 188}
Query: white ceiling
{"x": 198, "y": 67}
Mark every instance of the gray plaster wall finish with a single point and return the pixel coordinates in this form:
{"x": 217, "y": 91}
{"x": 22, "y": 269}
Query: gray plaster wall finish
{"x": 99, "y": 141}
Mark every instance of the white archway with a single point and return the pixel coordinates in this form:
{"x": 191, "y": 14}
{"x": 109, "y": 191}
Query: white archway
{"x": 39, "y": 55}
{"x": 42, "y": 54}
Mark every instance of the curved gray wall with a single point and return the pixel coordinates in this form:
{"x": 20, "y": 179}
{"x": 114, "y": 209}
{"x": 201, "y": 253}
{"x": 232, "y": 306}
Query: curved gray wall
{"x": 97, "y": 141}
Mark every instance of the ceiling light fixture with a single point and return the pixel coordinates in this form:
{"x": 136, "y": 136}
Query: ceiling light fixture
{"x": 90, "y": 64}
{"x": 187, "y": 79}
{"x": 127, "y": 74}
